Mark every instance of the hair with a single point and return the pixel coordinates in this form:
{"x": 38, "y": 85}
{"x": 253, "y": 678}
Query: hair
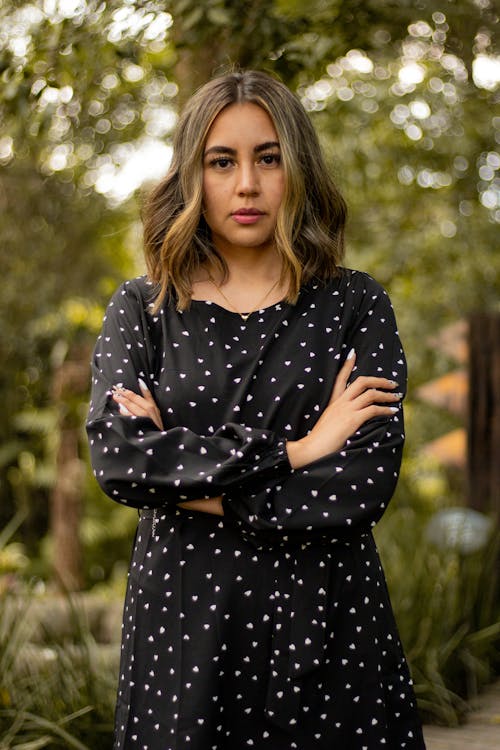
{"x": 309, "y": 233}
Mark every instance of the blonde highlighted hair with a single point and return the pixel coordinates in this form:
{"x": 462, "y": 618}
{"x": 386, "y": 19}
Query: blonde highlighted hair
{"x": 309, "y": 234}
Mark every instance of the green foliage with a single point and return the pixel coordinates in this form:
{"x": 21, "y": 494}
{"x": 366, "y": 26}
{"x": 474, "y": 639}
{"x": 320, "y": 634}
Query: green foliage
{"x": 447, "y": 609}
{"x": 62, "y": 115}
{"x": 295, "y": 37}
{"x": 410, "y": 135}
{"x": 107, "y": 533}
{"x": 59, "y": 693}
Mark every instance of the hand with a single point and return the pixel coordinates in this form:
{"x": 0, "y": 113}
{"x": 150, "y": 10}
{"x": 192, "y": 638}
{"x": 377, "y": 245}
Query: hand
{"x": 350, "y": 406}
{"x": 133, "y": 405}
{"x": 212, "y": 505}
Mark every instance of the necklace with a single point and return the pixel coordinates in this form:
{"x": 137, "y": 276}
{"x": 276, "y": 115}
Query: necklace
{"x": 243, "y": 316}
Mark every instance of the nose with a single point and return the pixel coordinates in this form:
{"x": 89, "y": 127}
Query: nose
{"x": 248, "y": 178}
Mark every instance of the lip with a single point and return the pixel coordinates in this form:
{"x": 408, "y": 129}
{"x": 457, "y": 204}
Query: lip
{"x": 247, "y": 215}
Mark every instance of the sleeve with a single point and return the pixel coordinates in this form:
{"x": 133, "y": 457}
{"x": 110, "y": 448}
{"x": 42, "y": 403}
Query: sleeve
{"x": 351, "y": 488}
{"x": 138, "y": 465}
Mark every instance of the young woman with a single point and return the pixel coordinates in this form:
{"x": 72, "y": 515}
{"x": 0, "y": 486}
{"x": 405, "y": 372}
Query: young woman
{"x": 247, "y": 398}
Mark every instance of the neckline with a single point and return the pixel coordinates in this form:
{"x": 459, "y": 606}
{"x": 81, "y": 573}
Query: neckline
{"x": 233, "y": 313}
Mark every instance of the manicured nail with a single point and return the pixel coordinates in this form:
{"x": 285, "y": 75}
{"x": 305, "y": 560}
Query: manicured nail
{"x": 123, "y": 410}
{"x": 393, "y": 382}
{"x": 351, "y": 354}
{"x": 142, "y": 385}
{"x": 394, "y": 408}
{"x": 398, "y": 395}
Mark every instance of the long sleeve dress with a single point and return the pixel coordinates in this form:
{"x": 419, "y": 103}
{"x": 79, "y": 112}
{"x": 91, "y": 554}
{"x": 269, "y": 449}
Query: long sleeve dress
{"x": 269, "y": 627}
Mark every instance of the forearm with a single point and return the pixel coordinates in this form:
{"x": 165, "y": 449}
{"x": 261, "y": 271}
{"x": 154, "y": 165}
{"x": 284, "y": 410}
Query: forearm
{"x": 212, "y": 505}
{"x": 334, "y": 495}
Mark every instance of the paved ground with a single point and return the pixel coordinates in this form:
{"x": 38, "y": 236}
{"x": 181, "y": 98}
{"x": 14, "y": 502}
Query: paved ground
{"x": 481, "y": 732}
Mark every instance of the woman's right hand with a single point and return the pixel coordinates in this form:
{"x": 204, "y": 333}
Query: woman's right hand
{"x": 350, "y": 406}
{"x": 131, "y": 404}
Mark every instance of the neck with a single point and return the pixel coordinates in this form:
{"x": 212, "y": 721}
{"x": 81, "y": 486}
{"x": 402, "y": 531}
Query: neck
{"x": 251, "y": 266}
{"x": 253, "y": 281}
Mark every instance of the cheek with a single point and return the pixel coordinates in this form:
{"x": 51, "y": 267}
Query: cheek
{"x": 212, "y": 194}
{"x": 279, "y": 191}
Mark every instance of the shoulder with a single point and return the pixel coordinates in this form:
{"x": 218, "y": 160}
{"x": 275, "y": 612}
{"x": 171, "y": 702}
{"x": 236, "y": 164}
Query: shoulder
{"x": 354, "y": 299}
{"x": 364, "y": 293}
{"x": 351, "y": 287}
{"x": 360, "y": 283}
{"x": 137, "y": 293}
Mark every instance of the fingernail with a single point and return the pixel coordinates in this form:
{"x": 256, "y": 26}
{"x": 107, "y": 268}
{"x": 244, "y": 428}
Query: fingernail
{"x": 398, "y": 395}
{"x": 351, "y": 354}
{"x": 394, "y": 408}
{"x": 123, "y": 410}
{"x": 142, "y": 385}
{"x": 393, "y": 382}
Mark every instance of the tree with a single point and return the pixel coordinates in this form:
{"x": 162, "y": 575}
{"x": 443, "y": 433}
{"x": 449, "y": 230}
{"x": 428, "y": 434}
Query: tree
{"x": 72, "y": 92}
{"x": 389, "y": 85}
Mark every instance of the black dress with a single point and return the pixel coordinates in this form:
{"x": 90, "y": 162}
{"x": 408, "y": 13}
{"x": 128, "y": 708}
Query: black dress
{"x": 268, "y": 628}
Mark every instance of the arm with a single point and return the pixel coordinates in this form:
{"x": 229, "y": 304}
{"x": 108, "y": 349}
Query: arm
{"x": 349, "y": 407}
{"x": 140, "y": 465}
{"x": 130, "y": 404}
{"x": 346, "y": 468}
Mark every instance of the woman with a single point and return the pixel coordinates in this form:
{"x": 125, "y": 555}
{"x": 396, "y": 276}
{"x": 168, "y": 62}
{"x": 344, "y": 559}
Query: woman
{"x": 247, "y": 398}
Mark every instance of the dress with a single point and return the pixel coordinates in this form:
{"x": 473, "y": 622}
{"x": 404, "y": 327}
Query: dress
{"x": 271, "y": 627}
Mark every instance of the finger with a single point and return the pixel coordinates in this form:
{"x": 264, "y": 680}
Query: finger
{"x": 343, "y": 376}
{"x": 378, "y": 411}
{"x": 135, "y": 405}
{"x": 138, "y": 406}
{"x": 145, "y": 390}
{"x": 365, "y": 382}
{"x": 132, "y": 410}
{"x": 374, "y": 396}
{"x": 129, "y": 397}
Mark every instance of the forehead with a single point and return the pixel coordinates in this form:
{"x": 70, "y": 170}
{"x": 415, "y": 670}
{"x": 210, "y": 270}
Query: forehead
{"x": 240, "y": 124}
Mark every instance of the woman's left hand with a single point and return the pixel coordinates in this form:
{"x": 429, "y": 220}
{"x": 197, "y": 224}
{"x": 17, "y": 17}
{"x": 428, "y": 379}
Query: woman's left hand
{"x": 133, "y": 405}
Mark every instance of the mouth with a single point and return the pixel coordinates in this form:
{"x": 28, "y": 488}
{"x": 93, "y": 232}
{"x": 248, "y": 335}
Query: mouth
{"x": 247, "y": 212}
{"x": 247, "y": 215}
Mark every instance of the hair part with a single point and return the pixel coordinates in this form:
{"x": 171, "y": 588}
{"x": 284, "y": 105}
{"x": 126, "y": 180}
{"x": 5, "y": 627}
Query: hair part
{"x": 309, "y": 233}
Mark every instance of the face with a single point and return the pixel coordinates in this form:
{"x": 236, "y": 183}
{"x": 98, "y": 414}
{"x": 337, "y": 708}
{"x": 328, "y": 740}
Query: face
{"x": 243, "y": 180}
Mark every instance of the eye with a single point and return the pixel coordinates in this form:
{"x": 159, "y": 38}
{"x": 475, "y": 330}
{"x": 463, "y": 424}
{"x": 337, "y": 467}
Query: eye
{"x": 270, "y": 160}
{"x": 221, "y": 162}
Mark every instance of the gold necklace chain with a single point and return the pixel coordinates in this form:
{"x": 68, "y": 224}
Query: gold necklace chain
{"x": 243, "y": 316}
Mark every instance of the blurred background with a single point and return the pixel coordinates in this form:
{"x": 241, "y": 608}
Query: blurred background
{"x": 403, "y": 95}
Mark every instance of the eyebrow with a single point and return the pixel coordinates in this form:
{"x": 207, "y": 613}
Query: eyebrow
{"x": 226, "y": 150}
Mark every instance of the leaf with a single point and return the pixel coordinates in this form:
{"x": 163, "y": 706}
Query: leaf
{"x": 192, "y": 18}
{"x": 218, "y": 16}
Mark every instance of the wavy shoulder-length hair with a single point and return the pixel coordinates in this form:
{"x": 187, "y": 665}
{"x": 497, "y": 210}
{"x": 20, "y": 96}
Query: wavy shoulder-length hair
{"x": 309, "y": 233}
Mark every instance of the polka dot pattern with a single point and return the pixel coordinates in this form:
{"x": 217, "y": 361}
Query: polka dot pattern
{"x": 270, "y": 627}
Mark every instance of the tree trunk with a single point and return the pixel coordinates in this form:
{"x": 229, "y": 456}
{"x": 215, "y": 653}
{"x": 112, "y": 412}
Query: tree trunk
{"x": 69, "y": 389}
{"x": 66, "y": 511}
{"x": 484, "y": 413}
{"x": 192, "y": 70}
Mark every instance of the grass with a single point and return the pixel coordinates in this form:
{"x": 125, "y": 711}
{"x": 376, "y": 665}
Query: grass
{"x": 56, "y": 694}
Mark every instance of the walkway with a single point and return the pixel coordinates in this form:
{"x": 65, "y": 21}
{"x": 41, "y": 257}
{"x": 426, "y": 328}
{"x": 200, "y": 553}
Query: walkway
{"x": 481, "y": 732}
